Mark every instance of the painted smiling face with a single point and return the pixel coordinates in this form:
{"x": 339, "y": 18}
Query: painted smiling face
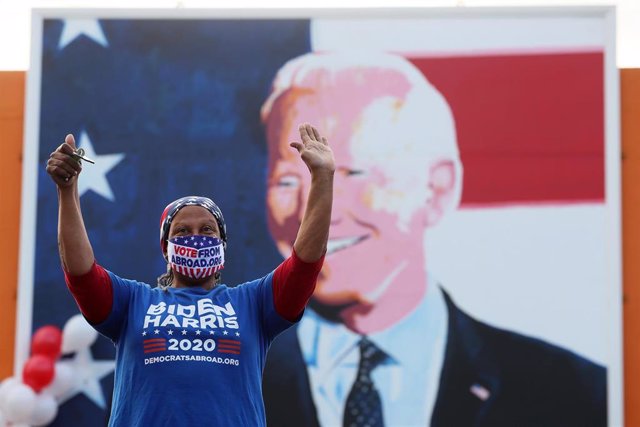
{"x": 388, "y": 189}
{"x": 398, "y": 172}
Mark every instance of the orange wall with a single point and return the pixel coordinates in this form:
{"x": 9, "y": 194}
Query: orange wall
{"x": 11, "y": 119}
{"x": 11, "y": 122}
{"x": 630, "y": 111}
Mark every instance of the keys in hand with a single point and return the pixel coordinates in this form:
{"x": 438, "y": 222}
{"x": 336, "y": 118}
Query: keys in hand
{"x": 65, "y": 163}
{"x": 79, "y": 155}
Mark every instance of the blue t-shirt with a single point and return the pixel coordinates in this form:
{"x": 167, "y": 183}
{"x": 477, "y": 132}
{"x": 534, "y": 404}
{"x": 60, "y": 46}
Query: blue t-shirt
{"x": 190, "y": 357}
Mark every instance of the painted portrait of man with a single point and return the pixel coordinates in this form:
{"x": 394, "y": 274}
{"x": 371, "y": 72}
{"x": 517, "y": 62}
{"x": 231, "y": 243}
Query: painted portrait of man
{"x": 378, "y": 319}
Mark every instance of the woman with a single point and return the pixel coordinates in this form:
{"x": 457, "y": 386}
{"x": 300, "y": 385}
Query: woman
{"x": 190, "y": 352}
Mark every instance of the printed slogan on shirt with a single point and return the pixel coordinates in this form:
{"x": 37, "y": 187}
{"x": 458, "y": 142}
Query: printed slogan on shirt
{"x": 194, "y": 332}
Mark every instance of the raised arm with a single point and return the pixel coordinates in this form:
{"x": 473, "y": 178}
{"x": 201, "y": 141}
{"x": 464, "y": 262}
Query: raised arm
{"x": 295, "y": 279}
{"x": 311, "y": 240}
{"x": 75, "y": 249}
{"x": 89, "y": 283}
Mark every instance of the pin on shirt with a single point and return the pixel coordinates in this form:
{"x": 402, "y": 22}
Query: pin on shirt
{"x": 480, "y": 392}
{"x": 78, "y": 155}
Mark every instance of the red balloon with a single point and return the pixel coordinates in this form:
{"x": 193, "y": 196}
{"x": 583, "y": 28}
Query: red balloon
{"x": 47, "y": 341}
{"x": 38, "y": 372}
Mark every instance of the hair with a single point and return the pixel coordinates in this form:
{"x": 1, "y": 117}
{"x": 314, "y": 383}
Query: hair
{"x": 422, "y": 104}
{"x": 166, "y": 280}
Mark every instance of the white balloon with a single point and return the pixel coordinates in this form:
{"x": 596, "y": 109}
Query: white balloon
{"x": 77, "y": 334}
{"x": 20, "y": 402}
{"x": 63, "y": 380}
{"x": 5, "y": 386}
{"x": 45, "y": 410}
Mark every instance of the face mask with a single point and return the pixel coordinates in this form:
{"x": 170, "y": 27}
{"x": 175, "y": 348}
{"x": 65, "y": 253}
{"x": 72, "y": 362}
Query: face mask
{"x": 195, "y": 256}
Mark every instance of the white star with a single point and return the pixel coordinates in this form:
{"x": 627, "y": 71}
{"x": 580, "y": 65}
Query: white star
{"x": 211, "y": 332}
{"x": 198, "y": 332}
{"x": 156, "y": 332}
{"x": 237, "y": 334}
{"x": 226, "y": 333}
{"x": 87, "y": 375}
{"x": 144, "y": 333}
{"x": 74, "y": 28}
{"x": 184, "y": 332}
{"x": 94, "y": 177}
{"x": 170, "y": 332}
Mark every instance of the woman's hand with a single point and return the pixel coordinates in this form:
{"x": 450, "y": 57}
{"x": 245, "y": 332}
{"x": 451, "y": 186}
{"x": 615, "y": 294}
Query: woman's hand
{"x": 62, "y": 166}
{"x": 314, "y": 150}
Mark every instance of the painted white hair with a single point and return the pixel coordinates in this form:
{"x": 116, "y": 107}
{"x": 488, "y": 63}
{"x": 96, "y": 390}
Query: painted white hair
{"x": 426, "y": 120}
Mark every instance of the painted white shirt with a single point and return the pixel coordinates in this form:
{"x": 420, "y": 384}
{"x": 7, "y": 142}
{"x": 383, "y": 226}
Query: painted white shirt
{"x": 407, "y": 381}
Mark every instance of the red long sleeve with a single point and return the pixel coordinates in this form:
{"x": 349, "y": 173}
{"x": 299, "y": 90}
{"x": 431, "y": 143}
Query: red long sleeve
{"x": 93, "y": 293}
{"x": 293, "y": 284}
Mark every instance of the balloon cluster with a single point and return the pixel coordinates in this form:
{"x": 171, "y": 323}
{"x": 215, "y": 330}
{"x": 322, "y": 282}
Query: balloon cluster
{"x": 33, "y": 399}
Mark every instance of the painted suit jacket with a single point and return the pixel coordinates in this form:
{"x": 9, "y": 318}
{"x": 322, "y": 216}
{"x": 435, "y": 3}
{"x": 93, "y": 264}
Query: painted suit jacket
{"x": 529, "y": 382}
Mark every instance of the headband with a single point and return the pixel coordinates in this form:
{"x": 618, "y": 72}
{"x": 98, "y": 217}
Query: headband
{"x": 174, "y": 207}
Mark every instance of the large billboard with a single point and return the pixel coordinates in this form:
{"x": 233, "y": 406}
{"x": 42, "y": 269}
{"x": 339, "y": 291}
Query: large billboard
{"x": 475, "y": 237}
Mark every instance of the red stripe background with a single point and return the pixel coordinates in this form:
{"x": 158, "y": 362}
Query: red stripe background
{"x": 530, "y": 127}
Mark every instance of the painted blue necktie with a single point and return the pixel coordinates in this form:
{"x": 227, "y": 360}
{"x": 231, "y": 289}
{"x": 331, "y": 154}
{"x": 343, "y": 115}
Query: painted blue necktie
{"x": 363, "y": 406}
